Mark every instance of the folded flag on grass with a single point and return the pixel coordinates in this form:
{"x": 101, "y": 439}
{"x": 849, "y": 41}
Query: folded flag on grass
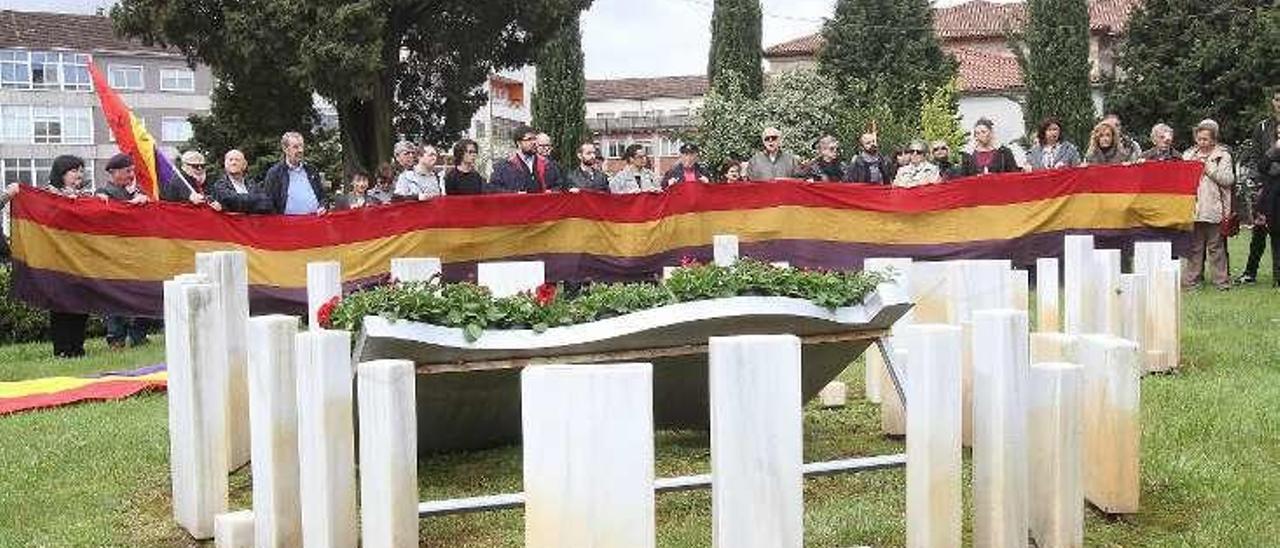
{"x": 50, "y": 392}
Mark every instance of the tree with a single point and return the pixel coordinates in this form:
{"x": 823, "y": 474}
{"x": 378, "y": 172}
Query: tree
{"x": 940, "y": 118}
{"x": 736, "y": 31}
{"x": 414, "y": 66}
{"x": 559, "y": 107}
{"x": 881, "y": 56}
{"x": 1053, "y": 52}
{"x": 799, "y": 103}
{"x": 1186, "y": 60}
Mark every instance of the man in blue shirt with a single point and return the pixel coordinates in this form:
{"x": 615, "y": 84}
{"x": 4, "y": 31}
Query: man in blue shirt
{"x": 293, "y": 185}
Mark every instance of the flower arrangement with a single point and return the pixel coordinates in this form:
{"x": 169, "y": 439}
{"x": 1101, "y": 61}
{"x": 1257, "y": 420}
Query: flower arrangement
{"x": 473, "y": 309}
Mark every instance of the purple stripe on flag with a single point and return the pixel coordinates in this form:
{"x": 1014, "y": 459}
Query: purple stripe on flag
{"x": 157, "y": 368}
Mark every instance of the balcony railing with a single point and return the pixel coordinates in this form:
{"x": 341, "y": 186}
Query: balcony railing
{"x": 634, "y": 123}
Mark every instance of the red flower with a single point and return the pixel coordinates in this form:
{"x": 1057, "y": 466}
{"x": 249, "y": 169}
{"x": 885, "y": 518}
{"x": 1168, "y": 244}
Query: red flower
{"x": 688, "y": 261}
{"x": 324, "y": 314}
{"x": 546, "y": 294}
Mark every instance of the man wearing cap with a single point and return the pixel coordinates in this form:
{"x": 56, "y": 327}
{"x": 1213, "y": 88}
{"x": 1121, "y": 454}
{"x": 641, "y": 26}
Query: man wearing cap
{"x": 122, "y": 187}
{"x": 688, "y": 169}
{"x": 294, "y": 186}
{"x": 406, "y": 154}
{"x": 189, "y": 185}
{"x": 772, "y": 162}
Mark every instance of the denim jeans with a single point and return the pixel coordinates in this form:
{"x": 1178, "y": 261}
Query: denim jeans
{"x": 121, "y": 327}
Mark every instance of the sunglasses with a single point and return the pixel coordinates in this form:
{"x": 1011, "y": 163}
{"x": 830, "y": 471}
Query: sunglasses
{"x": 772, "y": 137}
{"x": 916, "y": 151}
{"x": 196, "y": 166}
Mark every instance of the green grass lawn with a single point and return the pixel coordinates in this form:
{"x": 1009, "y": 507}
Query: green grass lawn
{"x": 97, "y": 474}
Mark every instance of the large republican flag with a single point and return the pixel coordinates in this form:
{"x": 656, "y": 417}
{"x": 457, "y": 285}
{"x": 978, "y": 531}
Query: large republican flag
{"x": 152, "y": 168}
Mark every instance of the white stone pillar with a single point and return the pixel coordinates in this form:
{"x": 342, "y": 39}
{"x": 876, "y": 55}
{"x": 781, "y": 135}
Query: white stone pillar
{"x": 233, "y": 529}
{"x": 1019, "y": 290}
{"x": 1150, "y": 256}
{"x": 1057, "y": 492}
{"x": 1105, "y": 284}
{"x": 273, "y": 411}
{"x": 326, "y": 439}
{"x": 1133, "y": 312}
{"x": 1001, "y": 369}
{"x": 975, "y": 285}
{"x": 228, "y": 270}
{"x": 505, "y": 279}
{"x": 324, "y": 282}
{"x": 197, "y": 386}
{"x": 757, "y": 480}
{"x": 895, "y": 291}
{"x": 834, "y": 394}
{"x": 415, "y": 269}
{"x": 1112, "y": 426}
{"x": 588, "y": 455}
{"x": 724, "y": 249}
{"x": 933, "y": 435}
{"x": 1053, "y": 347}
{"x": 893, "y": 414}
{"x": 1048, "y": 291}
{"x": 1077, "y": 264}
{"x": 1164, "y": 317}
{"x": 930, "y": 291}
{"x": 388, "y": 454}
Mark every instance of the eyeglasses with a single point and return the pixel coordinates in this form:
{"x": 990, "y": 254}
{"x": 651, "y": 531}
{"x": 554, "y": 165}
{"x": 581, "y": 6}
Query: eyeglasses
{"x": 769, "y": 138}
{"x": 196, "y": 166}
{"x": 916, "y": 151}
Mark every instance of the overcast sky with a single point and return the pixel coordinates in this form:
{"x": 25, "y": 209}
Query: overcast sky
{"x": 625, "y": 38}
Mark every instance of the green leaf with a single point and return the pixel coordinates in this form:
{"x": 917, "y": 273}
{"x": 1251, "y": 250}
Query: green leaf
{"x": 472, "y": 332}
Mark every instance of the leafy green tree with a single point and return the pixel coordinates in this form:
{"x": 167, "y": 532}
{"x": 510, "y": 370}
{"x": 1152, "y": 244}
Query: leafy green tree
{"x": 799, "y": 103}
{"x": 881, "y": 56}
{"x": 559, "y": 104}
{"x": 736, "y": 31}
{"x": 385, "y": 65}
{"x": 940, "y": 117}
{"x": 1053, "y": 52}
{"x": 1186, "y": 60}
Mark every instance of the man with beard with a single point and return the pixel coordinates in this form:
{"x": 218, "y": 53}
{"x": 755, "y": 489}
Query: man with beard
{"x": 869, "y": 166}
{"x": 588, "y": 175}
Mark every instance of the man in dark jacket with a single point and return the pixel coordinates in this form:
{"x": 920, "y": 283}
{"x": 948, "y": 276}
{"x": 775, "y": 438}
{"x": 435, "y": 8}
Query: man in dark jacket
{"x": 522, "y": 172}
{"x": 826, "y": 167}
{"x": 1266, "y": 154}
{"x": 587, "y": 176}
{"x": 121, "y": 186}
{"x": 688, "y": 169}
{"x": 869, "y": 166}
{"x": 189, "y": 183}
{"x": 295, "y": 187}
{"x": 235, "y": 192}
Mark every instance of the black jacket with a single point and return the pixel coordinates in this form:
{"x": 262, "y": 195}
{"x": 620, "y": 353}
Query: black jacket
{"x": 115, "y": 193}
{"x": 594, "y": 180}
{"x": 255, "y": 201}
{"x": 677, "y": 172}
{"x": 859, "y": 170}
{"x": 512, "y": 175}
{"x": 176, "y": 189}
{"x": 1267, "y": 164}
{"x": 1004, "y": 162}
{"x": 828, "y": 172}
{"x": 276, "y": 183}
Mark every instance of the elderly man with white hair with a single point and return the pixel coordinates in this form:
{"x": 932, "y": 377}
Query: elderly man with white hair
{"x": 235, "y": 191}
{"x": 772, "y": 162}
{"x": 1161, "y": 145}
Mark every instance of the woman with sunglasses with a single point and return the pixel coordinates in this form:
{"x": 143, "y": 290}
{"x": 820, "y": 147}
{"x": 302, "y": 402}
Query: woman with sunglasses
{"x": 919, "y": 171}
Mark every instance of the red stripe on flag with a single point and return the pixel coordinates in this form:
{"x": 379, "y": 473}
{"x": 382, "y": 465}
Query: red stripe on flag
{"x": 99, "y": 391}
{"x": 120, "y": 120}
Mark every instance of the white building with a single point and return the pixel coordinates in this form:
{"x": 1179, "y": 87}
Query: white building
{"x": 648, "y": 111}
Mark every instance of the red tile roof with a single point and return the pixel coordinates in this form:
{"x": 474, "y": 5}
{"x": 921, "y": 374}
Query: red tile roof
{"x": 80, "y": 33}
{"x": 980, "y": 19}
{"x": 676, "y": 87}
{"x": 986, "y": 71}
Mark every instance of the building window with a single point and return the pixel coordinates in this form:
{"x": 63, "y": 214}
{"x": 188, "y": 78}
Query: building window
{"x": 30, "y": 171}
{"x": 46, "y": 123}
{"x": 177, "y": 80}
{"x": 668, "y": 147}
{"x": 125, "y": 77}
{"x": 77, "y": 126}
{"x": 630, "y": 114}
{"x": 75, "y": 72}
{"x": 45, "y": 70}
{"x": 614, "y": 148}
{"x": 15, "y": 69}
{"x": 15, "y": 124}
{"x": 679, "y": 112}
{"x": 175, "y": 129}
{"x": 604, "y": 115}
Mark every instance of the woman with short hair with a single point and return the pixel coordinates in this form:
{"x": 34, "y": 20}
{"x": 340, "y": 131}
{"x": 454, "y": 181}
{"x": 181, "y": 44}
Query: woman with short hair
{"x": 1050, "y": 151}
{"x": 464, "y": 179}
{"x": 1213, "y": 206}
{"x": 1162, "y": 145}
{"x": 67, "y": 329}
{"x": 636, "y": 176}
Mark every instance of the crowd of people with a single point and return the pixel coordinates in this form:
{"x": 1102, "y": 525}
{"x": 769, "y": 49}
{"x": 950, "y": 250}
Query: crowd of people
{"x": 294, "y": 187}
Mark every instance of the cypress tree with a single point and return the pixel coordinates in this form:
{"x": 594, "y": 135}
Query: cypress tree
{"x": 736, "y": 44}
{"x": 883, "y": 57}
{"x": 559, "y": 107}
{"x": 1054, "y": 55}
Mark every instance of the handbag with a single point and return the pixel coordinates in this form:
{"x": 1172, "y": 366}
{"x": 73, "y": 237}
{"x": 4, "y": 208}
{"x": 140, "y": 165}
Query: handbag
{"x": 1230, "y": 225}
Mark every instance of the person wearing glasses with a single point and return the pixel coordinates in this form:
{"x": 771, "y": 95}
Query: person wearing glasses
{"x": 420, "y": 183}
{"x": 524, "y": 172}
{"x": 919, "y": 171}
{"x": 1161, "y": 146}
{"x": 193, "y": 173}
{"x": 827, "y": 167}
{"x": 942, "y": 158}
{"x": 1050, "y": 151}
{"x": 772, "y": 162}
{"x": 550, "y": 169}
{"x": 464, "y": 179}
{"x": 869, "y": 166}
{"x": 636, "y": 177}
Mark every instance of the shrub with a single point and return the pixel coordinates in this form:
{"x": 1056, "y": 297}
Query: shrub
{"x": 18, "y": 322}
